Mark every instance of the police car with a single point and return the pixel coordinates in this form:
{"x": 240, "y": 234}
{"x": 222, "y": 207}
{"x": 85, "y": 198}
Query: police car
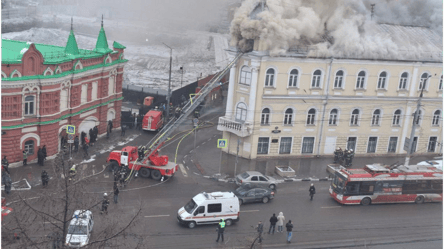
{"x": 80, "y": 228}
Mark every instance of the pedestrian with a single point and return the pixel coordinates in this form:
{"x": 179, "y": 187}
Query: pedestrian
{"x": 72, "y": 173}
{"x": 122, "y": 177}
{"x": 220, "y": 230}
{"x": 105, "y": 204}
{"x": 7, "y": 182}
{"x": 260, "y": 229}
{"x": 116, "y": 193}
{"x": 25, "y": 157}
{"x": 76, "y": 144}
{"x": 135, "y": 120}
{"x": 85, "y": 151}
{"x": 91, "y": 136}
{"x": 312, "y": 191}
{"x": 338, "y": 155}
{"x": 139, "y": 122}
{"x": 82, "y": 137}
{"x": 44, "y": 152}
{"x": 45, "y": 178}
{"x": 5, "y": 164}
{"x": 110, "y": 123}
{"x": 40, "y": 157}
{"x": 280, "y": 222}
{"x": 273, "y": 221}
{"x": 122, "y": 133}
{"x": 289, "y": 227}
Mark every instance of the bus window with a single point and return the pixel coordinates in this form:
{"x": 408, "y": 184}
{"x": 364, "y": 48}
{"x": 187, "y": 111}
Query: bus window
{"x": 352, "y": 188}
{"x": 367, "y": 188}
{"x": 409, "y": 187}
{"x": 424, "y": 186}
{"x": 437, "y": 186}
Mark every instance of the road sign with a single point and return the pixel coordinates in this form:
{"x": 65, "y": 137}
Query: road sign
{"x": 406, "y": 144}
{"x": 195, "y": 121}
{"x": 222, "y": 143}
{"x": 71, "y": 129}
{"x": 70, "y": 138}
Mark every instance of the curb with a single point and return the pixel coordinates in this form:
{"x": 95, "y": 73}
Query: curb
{"x": 230, "y": 180}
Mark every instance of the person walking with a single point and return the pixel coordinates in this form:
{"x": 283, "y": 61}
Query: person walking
{"x": 105, "y": 204}
{"x": 116, "y": 193}
{"x": 45, "y": 178}
{"x": 85, "y": 151}
{"x": 260, "y": 229}
{"x": 91, "y": 136}
{"x": 7, "y": 181}
{"x": 273, "y": 221}
{"x": 72, "y": 173}
{"x": 122, "y": 133}
{"x": 110, "y": 123}
{"x": 44, "y": 153}
{"x": 312, "y": 191}
{"x": 25, "y": 158}
{"x": 40, "y": 156}
{"x": 5, "y": 164}
{"x": 280, "y": 222}
{"x": 220, "y": 230}
{"x": 76, "y": 144}
{"x": 289, "y": 227}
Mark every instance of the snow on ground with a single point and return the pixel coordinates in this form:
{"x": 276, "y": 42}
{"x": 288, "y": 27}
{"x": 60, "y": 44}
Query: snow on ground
{"x": 148, "y": 60}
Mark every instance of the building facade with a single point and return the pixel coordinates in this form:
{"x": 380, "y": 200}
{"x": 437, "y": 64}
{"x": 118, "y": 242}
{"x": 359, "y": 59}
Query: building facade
{"x": 296, "y": 105}
{"x": 45, "y": 88}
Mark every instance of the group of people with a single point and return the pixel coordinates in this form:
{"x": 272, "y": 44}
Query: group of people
{"x": 344, "y": 157}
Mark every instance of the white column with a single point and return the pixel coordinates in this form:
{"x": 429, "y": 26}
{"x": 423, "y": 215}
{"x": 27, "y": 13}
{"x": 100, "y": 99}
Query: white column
{"x": 252, "y": 99}
{"x": 413, "y": 88}
{"x": 231, "y": 86}
{"x": 408, "y": 120}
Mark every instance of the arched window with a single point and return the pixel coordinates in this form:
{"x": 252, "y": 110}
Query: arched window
{"x": 333, "y": 117}
{"x": 436, "y": 118}
{"x": 288, "y": 118}
{"x": 84, "y": 94}
{"x": 418, "y": 118}
{"x": 397, "y": 117}
{"x": 354, "y": 117}
{"x": 376, "y": 117}
{"x": 361, "y": 80}
{"x": 29, "y": 147}
{"x": 269, "y": 78}
{"x": 265, "y": 118}
{"x": 111, "y": 85}
{"x": 382, "y": 80}
{"x": 241, "y": 112}
{"x": 245, "y": 76}
{"x": 338, "y": 79}
{"x": 293, "y": 79}
{"x": 403, "y": 81}
{"x": 316, "y": 81}
{"x": 440, "y": 84}
{"x": 423, "y": 81}
{"x": 311, "y": 116}
{"x": 29, "y": 105}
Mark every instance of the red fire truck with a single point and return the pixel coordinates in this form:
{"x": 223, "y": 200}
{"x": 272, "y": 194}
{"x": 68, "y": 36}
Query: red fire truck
{"x": 152, "y": 121}
{"x": 376, "y": 184}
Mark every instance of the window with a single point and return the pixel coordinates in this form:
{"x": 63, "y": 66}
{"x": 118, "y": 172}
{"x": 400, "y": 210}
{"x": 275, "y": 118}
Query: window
{"x": 241, "y": 112}
{"x": 415, "y": 142}
{"x": 288, "y": 117}
{"x": 265, "y": 118}
{"x": 84, "y": 95}
{"x": 311, "y": 116}
{"x": 308, "y": 145}
{"x": 111, "y": 86}
{"x": 367, "y": 188}
{"x": 94, "y": 91}
{"x": 436, "y": 117}
{"x": 397, "y": 117}
{"x": 432, "y": 144}
{"x": 200, "y": 210}
{"x": 29, "y": 147}
{"x": 376, "y": 117}
{"x": 254, "y": 178}
{"x": 423, "y": 81}
{"x": 338, "y": 79}
{"x": 262, "y": 145}
{"x": 245, "y": 76}
{"x": 293, "y": 79}
{"x": 440, "y": 84}
{"x": 352, "y": 188}
{"x": 63, "y": 99}
{"x": 316, "y": 81}
{"x": 333, "y": 117}
{"x": 418, "y": 118}
{"x": 361, "y": 80}
{"x": 403, "y": 81}
{"x": 262, "y": 179}
{"x": 214, "y": 208}
{"x": 351, "y": 143}
{"x": 382, "y": 80}
{"x": 269, "y": 78}
{"x": 372, "y": 141}
{"x": 393, "y": 142}
{"x": 29, "y": 105}
{"x": 285, "y": 147}
{"x": 354, "y": 117}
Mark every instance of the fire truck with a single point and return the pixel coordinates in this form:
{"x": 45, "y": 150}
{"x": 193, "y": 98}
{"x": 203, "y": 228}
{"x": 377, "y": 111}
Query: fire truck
{"x": 152, "y": 164}
{"x": 376, "y": 184}
{"x": 153, "y": 120}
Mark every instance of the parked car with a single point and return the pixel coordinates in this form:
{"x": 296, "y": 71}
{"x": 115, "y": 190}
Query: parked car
{"x": 247, "y": 194}
{"x": 255, "y": 178}
{"x": 80, "y": 228}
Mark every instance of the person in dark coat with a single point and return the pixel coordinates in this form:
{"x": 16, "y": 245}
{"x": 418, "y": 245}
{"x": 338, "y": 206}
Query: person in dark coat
{"x": 85, "y": 151}
{"x": 110, "y": 123}
{"x": 96, "y": 132}
{"x": 139, "y": 122}
{"x": 260, "y": 229}
{"x": 45, "y": 178}
{"x": 82, "y": 137}
{"x": 122, "y": 133}
{"x": 220, "y": 230}
{"x": 91, "y": 136}
{"x": 116, "y": 193}
{"x": 273, "y": 221}
{"x": 5, "y": 165}
{"x": 105, "y": 204}
{"x": 76, "y": 143}
{"x": 289, "y": 227}
{"x": 44, "y": 152}
{"x": 312, "y": 191}
{"x": 25, "y": 157}
{"x": 6, "y": 179}
{"x": 40, "y": 157}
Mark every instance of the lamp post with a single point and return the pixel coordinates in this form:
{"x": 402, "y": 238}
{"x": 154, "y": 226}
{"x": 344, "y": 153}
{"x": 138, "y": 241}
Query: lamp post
{"x": 181, "y": 77}
{"x": 169, "y": 83}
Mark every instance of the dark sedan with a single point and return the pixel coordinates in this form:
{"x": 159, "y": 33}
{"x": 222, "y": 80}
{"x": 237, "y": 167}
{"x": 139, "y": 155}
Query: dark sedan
{"x": 248, "y": 194}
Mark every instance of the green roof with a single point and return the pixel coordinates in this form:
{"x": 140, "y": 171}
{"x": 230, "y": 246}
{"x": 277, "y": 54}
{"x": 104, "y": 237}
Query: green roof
{"x": 118, "y": 45}
{"x": 102, "y": 43}
{"x": 71, "y": 46}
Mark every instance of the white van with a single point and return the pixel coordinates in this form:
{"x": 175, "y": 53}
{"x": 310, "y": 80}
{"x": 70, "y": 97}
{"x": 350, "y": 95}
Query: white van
{"x": 209, "y": 208}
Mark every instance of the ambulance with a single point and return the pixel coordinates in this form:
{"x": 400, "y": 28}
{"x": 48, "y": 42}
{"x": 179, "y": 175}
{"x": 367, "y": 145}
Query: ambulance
{"x": 209, "y": 208}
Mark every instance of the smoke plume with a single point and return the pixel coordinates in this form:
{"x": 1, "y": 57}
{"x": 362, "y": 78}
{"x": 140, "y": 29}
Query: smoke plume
{"x": 342, "y": 28}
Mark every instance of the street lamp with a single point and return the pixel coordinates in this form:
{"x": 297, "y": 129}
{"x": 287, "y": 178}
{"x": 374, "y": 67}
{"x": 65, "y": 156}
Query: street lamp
{"x": 169, "y": 83}
{"x": 181, "y": 78}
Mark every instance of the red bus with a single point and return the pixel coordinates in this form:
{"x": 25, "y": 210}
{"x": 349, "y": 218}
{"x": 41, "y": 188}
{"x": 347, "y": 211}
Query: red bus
{"x": 385, "y": 184}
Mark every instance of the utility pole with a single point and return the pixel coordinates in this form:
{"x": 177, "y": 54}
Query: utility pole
{"x": 373, "y": 10}
{"x": 169, "y": 83}
{"x": 181, "y": 77}
{"x": 237, "y": 155}
{"x": 415, "y": 120}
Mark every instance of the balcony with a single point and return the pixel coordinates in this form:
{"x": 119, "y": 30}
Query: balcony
{"x": 238, "y": 128}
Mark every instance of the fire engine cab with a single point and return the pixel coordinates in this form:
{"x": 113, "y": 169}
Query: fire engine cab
{"x": 152, "y": 121}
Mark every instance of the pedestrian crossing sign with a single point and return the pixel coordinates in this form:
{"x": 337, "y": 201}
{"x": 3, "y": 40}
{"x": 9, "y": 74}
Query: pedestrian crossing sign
{"x": 222, "y": 143}
{"x": 71, "y": 129}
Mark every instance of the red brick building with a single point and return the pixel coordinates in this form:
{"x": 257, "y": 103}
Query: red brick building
{"x": 45, "y": 88}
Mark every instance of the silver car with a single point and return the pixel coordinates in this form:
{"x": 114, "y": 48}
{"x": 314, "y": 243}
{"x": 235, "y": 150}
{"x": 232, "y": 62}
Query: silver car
{"x": 254, "y": 178}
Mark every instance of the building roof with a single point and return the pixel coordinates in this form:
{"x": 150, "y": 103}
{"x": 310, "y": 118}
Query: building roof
{"x": 102, "y": 43}
{"x": 118, "y": 45}
{"x": 71, "y": 46}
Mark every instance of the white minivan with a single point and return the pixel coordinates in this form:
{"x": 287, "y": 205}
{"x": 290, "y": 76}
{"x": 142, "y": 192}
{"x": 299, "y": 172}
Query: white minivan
{"x": 209, "y": 208}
